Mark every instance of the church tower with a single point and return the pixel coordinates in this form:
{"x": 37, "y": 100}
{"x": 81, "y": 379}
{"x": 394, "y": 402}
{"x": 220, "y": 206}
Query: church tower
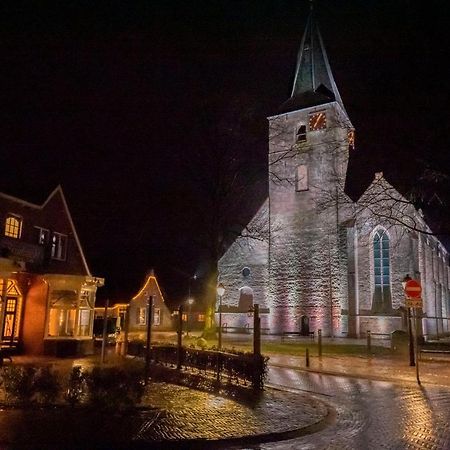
{"x": 309, "y": 142}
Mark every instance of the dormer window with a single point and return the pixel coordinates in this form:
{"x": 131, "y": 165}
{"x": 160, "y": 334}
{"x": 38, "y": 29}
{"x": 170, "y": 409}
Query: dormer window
{"x": 301, "y": 134}
{"x": 13, "y": 226}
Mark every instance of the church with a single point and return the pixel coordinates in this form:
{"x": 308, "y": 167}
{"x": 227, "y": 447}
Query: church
{"x": 329, "y": 262}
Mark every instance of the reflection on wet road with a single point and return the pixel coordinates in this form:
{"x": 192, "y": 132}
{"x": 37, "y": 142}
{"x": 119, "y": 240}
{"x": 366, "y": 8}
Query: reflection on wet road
{"x": 371, "y": 414}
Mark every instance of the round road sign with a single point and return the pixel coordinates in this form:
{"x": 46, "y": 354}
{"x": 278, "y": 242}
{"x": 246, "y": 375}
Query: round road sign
{"x": 413, "y": 289}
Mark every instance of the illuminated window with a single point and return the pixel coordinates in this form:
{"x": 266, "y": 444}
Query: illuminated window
{"x": 184, "y": 317}
{"x": 63, "y": 312}
{"x": 157, "y": 316}
{"x": 12, "y": 306}
{"x": 301, "y": 133}
{"x": 59, "y": 246}
{"x": 85, "y": 312}
{"x": 301, "y": 178}
{"x": 201, "y": 318}
{"x": 13, "y": 226}
{"x": 43, "y": 235}
{"x": 381, "y": 268}
{"x": 141, "y": 317}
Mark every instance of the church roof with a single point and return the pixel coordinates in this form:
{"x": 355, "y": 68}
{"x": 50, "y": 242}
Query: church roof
{"x": 314, "y": 84}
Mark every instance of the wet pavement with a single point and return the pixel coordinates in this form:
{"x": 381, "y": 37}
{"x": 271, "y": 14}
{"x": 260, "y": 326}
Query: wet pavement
{"x": 339, "y": 402}
{"x": 371, "y": 414}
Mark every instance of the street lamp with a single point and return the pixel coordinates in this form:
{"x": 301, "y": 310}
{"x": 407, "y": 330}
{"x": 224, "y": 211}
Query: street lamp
{"x": 220, "y": 292}
{"x": 190, "y": 302}
{"x": 408, "y": 318}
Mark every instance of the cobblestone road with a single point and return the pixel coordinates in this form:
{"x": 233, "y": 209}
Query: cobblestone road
{"x": 371, "y": 414}
{"x": 183, "y": 413}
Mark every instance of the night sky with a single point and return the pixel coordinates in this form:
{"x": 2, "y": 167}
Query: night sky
{"x": 111, "y": 100}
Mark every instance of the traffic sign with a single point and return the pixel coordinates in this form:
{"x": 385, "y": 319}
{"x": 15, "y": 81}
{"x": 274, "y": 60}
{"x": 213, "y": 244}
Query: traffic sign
{"x": 413, "y": 289}
{"x": 414, "y": 303}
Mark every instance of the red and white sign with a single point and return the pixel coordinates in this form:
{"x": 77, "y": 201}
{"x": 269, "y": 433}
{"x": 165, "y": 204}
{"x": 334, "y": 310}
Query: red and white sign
{"x": 413, "y": 289}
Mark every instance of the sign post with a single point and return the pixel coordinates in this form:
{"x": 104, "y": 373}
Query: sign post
{"x": 413, "y": 291}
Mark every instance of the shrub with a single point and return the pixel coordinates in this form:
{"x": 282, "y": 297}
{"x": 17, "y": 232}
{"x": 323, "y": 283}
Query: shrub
{"x": 114, "y": 389}
{"x": 19, "y": 383}
{"x": 46, "y": 385}
{"x": 75, "y": 387}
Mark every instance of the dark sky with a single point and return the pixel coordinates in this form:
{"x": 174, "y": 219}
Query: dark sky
{"x": 102, "y": 98}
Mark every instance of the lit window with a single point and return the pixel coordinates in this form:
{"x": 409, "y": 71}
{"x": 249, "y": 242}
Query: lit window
{"x": 381, "y": 265}
{"x": 184, "y": 317}
{"x": 63, "y": 310}
{"x": 301, "y": 133}
{"x": 302, "y": 178}
{"x": 13, "y": 226}
{"x": 141, "y": 318}
{"x": 201, "y": 318}
{"x": 157, "y": 316}
{"x": 43, "y": 235}
{"x": 59, "y": 246}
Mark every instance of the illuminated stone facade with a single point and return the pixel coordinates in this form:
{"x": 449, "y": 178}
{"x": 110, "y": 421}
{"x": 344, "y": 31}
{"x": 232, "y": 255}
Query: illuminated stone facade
{"x": 328, "y": 263}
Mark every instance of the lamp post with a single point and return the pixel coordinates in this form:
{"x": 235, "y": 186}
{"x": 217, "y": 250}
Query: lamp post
{"x": 408, "y": 318}
{"x": 220, "y": 292}
{"x": 190, "y": 302}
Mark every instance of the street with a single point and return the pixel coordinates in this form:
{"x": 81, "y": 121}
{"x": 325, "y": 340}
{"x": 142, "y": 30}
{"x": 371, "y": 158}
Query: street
{"x": 370, "y": 414}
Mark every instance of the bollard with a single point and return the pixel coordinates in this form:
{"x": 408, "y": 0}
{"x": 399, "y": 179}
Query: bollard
{"x": 319, "y": 334}
{"x": 307, "y": 357}
{"x": 369, "y": 342}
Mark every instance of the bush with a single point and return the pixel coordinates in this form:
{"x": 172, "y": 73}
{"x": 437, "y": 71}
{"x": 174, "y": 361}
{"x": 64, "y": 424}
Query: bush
{"x": 26, "y": 384}
{"x": 46, "y": 385}
{"x": 18, "y": 383}
{"x": 114, "y": 389}
{"x": 76, "y": 386}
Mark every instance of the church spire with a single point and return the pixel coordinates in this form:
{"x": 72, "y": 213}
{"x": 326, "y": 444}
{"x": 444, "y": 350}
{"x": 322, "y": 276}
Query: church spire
{"x": 313, "y": 83}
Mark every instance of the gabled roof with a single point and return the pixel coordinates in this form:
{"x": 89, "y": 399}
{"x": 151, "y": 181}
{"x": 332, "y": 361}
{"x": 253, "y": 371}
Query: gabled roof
{"x": 57, "y": 191}
{"x": 151, "y": 278}
{"x": 314, "y": 83}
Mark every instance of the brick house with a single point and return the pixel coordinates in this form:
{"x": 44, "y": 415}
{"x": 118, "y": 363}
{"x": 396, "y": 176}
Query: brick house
{"x": 47, "y": 290}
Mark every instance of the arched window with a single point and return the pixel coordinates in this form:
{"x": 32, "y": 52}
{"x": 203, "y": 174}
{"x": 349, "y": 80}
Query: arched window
{"x": 301, "y": 133}
{"x": 13, "y": 226}
{"x": 381, "y": 272}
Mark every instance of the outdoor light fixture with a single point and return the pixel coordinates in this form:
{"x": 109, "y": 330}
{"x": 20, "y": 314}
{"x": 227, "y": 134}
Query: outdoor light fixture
{"x": 190, "y": 302}
{"x": 220, "y": 293}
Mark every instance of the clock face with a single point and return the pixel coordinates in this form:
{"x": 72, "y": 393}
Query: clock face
{"x": 317, "y": 121}
{"x": 351, "y": 139}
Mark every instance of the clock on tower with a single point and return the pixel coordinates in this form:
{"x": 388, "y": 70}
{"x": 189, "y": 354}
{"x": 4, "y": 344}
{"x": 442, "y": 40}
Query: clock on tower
{"x": 317, "y": 121}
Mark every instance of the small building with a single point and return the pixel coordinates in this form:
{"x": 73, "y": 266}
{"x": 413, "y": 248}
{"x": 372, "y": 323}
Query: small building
{"x": 47, "y": 292}
{"x": 138, "y": 310}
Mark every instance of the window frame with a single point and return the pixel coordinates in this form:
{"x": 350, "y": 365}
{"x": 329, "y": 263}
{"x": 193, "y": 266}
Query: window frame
{"x": 56, "y": 245}
{"x": 8, "y": 226}
{"x": 379, "y": 271}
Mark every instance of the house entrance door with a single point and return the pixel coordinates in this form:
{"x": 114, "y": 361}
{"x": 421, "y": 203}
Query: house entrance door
{"x": 9, "y": 322}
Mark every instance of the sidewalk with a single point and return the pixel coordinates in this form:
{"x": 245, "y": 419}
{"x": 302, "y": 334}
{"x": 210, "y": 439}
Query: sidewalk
{"x": 432, "y": 369}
